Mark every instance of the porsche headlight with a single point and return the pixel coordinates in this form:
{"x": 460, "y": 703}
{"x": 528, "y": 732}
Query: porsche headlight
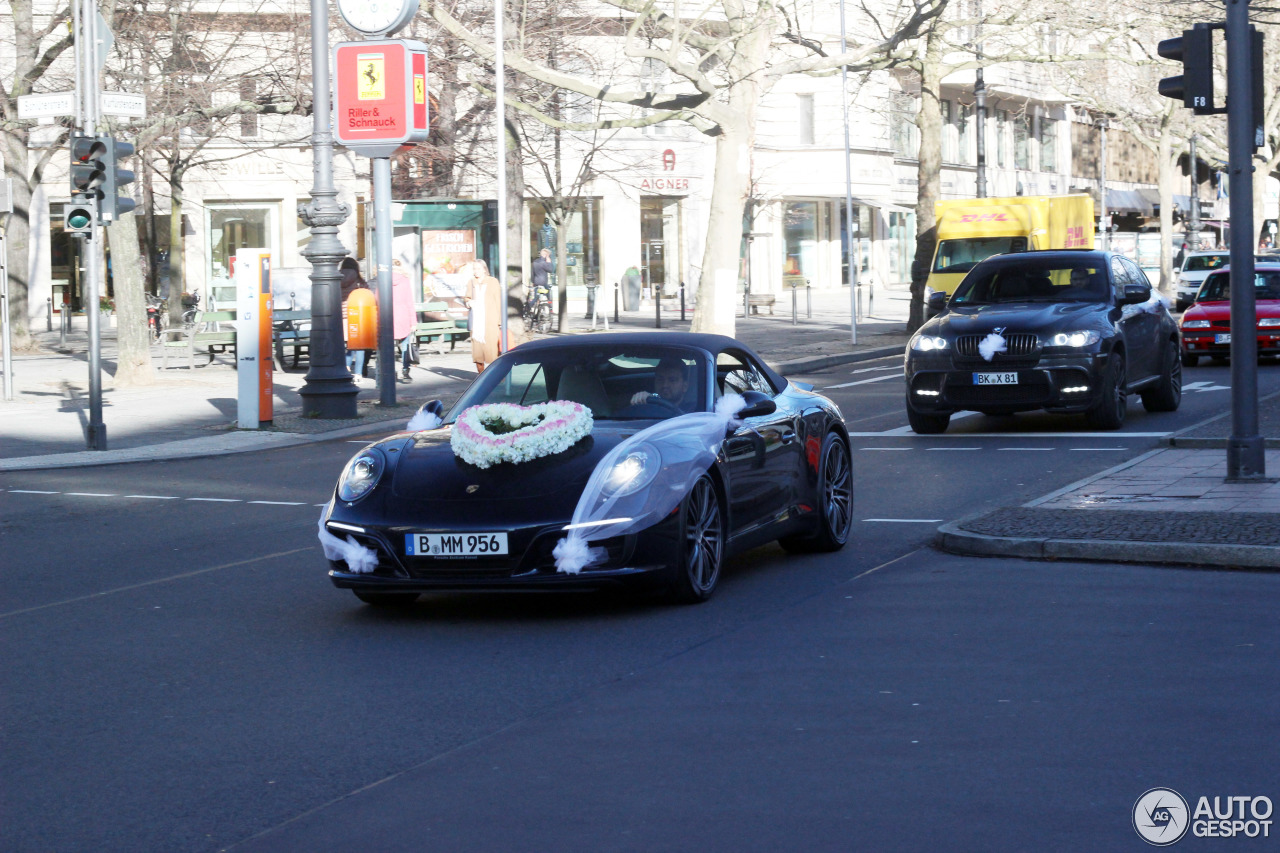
{"x": 633, "y": 472}
{"x": 1074, "y": 339}
{"x": 361, "y": 474}
{"x": 1269, "y": 321}
{"x": 928, "y": 343}
{"x": 1195, "y": 324}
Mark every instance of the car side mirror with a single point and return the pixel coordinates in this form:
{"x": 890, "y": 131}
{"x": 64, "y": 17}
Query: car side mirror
{"x": 937, "y": 302}
{"x": 757, "y": 404}
{"x": 1135, "y": 294}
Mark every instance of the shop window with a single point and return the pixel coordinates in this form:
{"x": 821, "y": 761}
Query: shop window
{"x": 1048, "y": 144}
{"x": 581, "y": 241}
{"x": 1002, "y": 138}
{"x": 800, "y": 239}
{"x": 1022, "y": 141}
{"x": 233, "y": 227}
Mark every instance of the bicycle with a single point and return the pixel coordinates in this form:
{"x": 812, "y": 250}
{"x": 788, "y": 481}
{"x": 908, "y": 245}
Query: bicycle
{"x": 538, "y": 314}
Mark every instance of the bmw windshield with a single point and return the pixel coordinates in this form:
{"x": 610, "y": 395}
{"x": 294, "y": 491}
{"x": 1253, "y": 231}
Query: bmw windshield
{"x": 1034, "y": 280}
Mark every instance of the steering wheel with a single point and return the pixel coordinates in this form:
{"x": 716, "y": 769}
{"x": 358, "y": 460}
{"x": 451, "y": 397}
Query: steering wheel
{"x": 663, "y": 402}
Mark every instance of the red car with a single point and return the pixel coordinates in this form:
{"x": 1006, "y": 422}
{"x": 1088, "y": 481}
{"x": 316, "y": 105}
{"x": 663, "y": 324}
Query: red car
{"x": 1206, "y": 326}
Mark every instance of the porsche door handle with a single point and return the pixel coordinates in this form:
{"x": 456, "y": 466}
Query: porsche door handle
{"x": 788, "y": 436}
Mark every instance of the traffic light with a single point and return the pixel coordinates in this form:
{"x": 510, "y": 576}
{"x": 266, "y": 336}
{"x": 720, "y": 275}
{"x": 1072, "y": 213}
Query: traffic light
{"x": 114, "y": 206}
{"x": 1194, "y": 86}
{"x": 78, "y": 217}
{"x": 87, "y": 169}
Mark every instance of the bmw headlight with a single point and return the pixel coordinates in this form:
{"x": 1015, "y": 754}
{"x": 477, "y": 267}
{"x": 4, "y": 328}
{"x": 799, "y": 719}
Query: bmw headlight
{"x": 1074, "y": 339}
{"x": 1269, "y": 321}
{"x": 928, "y": 343}
{"x": 633, "y": 472}
{"x": 1195, "y": 324}
{"x": 361, "y": 474}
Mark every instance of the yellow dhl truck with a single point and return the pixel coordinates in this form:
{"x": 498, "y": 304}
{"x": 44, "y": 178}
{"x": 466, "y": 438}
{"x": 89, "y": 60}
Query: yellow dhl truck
{"x": 974, "y": 229}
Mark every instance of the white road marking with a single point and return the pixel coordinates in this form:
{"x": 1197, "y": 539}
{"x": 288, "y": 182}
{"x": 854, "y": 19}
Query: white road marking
{"x": 906, "y": 520}
{"x": 873, "y": 369}
{"x": 217, "y": 500}
{"x": 90, "y": 495}
{"x": 155, "y": 497}
{"x": 1205, "y": 386}
{"x": 886, "y": 448}
{"x": 1099, "y": 448}
{"x": 864, "y": 381}
{"x": 279, "y": 503}
{"x": 1028, "y": 448}
{"x": 955, "y": 448}
{"x": 31, "y": 492}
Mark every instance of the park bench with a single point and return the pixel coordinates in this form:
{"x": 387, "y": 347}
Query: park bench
{"x": 214, "y": 331}
{"x": 756, "y": 301}
{"x": 438, "y": 331}
{"x": 291, "y": 332}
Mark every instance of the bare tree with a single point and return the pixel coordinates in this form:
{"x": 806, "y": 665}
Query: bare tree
{"x": 38, "y": 42}
{"x": 724, "y": 62}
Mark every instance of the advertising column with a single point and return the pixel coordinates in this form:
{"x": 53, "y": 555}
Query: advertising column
{"x": 253, "y": 338}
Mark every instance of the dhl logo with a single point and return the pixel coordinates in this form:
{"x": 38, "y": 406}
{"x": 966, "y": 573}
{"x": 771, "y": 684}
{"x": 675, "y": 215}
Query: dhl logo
{"x": 986, "y": 217}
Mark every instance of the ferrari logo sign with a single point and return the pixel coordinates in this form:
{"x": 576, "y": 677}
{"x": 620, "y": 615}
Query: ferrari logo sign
{"x": 371, "y": 82}
{"x": 380, "y": 96}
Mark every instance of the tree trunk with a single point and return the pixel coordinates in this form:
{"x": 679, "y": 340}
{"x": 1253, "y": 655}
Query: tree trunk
{"x": 177, "y": 257}
{"x": 1166, "y": 163}
{"x": 715, "y": 311}
{"x": 928, "y": 179}
{"x": 132, "y": 333}
{"x": 17, "y": 233}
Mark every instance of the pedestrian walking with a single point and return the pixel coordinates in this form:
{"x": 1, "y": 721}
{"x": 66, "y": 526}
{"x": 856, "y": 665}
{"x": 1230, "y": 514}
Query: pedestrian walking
{"x": 484, "y": 298}
{"x": 403, "y": 317}
{"x": 351, "y": 281}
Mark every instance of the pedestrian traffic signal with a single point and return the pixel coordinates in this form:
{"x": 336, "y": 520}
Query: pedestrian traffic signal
{"x": 78, "y": 217}
{"x": 1194, "y": 86}
{"x": 87, "y": 169}
{"x": 114, "y": 206}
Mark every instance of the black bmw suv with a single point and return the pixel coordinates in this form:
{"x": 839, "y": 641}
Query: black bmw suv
{"x": 1064, "y": 331}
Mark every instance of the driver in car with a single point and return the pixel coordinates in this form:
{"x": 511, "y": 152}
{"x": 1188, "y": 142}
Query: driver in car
{"x": 670, "y": 382}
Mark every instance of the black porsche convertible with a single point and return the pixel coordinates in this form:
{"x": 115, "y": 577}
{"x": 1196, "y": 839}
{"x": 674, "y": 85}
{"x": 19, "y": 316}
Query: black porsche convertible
{"x": 430, "y": 520}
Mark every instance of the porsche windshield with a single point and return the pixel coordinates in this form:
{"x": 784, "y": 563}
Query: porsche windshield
{"x": 1039, "y": 280}
{"x": 1217, "y": 287}
{"x": 634, "y": 382}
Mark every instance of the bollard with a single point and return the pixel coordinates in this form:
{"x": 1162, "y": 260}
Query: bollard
{"x": 657, "y": 306}
{"x": 746, "y": 303}
{"x": 616, "y": 291}
{"x": 48, "y": 326}
{"x": 793, "y": 304}
{"x": 682, "y": 302}
{"x": 808, "y": 300}
{"x": 63, "y": 322}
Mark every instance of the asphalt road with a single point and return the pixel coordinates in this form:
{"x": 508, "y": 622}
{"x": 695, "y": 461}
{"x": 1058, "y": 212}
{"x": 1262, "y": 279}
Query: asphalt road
{"x": 180, "y": 675}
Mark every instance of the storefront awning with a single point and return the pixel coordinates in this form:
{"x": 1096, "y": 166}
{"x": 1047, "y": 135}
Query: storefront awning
{"x": 1129, "y": 201}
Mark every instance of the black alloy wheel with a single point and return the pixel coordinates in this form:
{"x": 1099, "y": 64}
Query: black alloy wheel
{"x": 835, "y": 501}
{"x": 1113, "y": 399}
{"x": 1166, "y": 396}
{"x": 386, "y": 599}
{"x": 702, "y": 536}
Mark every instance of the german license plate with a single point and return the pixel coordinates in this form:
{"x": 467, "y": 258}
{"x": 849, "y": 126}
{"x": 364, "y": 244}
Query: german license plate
{"x": 1222, "y": 339}
{"x": 995, "y": 379}
{"x": 455, "y": 544}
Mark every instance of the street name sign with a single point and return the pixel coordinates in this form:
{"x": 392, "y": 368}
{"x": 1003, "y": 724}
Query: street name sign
{"x": 52, "y": 105}
{"x": 123, "y": 104}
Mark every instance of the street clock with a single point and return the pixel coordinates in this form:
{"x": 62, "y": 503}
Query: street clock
{"x": 377, "y": 17}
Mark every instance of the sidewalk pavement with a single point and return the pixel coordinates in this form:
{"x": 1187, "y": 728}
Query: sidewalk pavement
{"x": 1168, "y": 506}
{"x": 1171, "y": 505}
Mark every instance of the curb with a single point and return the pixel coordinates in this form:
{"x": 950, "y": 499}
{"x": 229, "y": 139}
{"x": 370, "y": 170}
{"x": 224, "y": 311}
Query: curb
{"x": 821, "y": 362}
{"x": 956, "y": 540}
{"x": 1189, "y": 443}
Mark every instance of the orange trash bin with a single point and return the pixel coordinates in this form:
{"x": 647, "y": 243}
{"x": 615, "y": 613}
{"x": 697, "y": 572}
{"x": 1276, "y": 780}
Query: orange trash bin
{"x": 362, "y": 320}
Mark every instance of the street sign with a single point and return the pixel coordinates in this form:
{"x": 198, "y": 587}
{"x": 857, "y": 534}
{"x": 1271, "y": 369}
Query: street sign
{"x": 51, "y": 105}
{"x": 380, "y": 95}
{"x": 124, "y": 104}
